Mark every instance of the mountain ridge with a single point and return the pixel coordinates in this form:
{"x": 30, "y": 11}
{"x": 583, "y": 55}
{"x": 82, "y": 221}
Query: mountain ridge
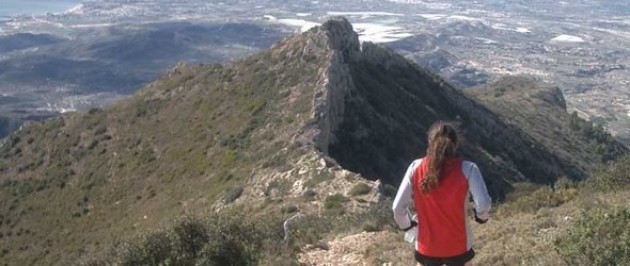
{"x": 304, "y": 125}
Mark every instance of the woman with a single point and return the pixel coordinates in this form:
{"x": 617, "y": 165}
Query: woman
{"x": 439, "y": 185}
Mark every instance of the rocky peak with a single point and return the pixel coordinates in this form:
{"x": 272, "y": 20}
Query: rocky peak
{"x": 341, "y": 36}
{"x": 552, "y": 95}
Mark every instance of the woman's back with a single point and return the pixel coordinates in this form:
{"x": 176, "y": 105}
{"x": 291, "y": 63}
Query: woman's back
{"x": 440, "y": 185}
{"x": 442, "y": 211}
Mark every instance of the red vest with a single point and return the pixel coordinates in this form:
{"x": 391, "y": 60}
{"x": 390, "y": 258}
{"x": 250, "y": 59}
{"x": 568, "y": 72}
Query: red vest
{"x": 442, "y": 212}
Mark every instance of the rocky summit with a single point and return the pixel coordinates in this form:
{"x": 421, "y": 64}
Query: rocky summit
{"x": 319, "y": 125}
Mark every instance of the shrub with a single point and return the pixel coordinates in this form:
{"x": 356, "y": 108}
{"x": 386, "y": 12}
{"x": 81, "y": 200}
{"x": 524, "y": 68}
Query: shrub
{"x": 290, "y": 209}
{"x": 191, "y": 241}
{"x": 154, "y": 249}
{"x": 614, "y": 178}
{"x": 377, "y": 217}
{"x": 229, "y": 157}
{"x": 189, "y": 237}
{"x": 93, "y": 111}
{"x": 389, "y": 191}
{"x": 335, "y": 202}
{"x": 157, "y": 248}
{"x": 542, "y": 197}
{"x": 598, "y": 239}
{"x": 307, "y": 230}
{"x": 92, "y": 144}
{"x": 360, "y": 189}
{"x": 334, "y": 205}
{"x": 100, "y": 130}
{"x": 309, "y": 194}
{"x": 370, "y": 227}
{"x": 232, "y": 194}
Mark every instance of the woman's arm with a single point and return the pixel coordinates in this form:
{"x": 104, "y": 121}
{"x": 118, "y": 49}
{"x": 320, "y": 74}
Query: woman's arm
{"x": 479, "y": 192}
{"x": 404, "y": 198}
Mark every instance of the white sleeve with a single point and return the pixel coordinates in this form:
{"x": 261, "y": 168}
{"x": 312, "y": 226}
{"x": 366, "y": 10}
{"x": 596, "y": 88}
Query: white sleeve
{"x": 404, "y": 197}
{"x": 478, "y": 189}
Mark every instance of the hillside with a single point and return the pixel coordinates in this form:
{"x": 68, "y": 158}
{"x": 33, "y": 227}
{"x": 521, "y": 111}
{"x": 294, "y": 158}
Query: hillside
{"x": 540, "y": 110}
{"x": 187, "y": 143}
{"x": 301, "y": 127}
{"x": 573, "y": 223}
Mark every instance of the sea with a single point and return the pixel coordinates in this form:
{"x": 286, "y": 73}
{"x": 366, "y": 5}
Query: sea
{"x": 9, "y": 8}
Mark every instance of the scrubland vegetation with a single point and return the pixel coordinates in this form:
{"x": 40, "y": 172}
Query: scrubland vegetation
{"x": 593, "y": 231}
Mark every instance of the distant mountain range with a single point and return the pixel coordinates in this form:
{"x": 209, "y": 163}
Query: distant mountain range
{"x": 120, "y": 45}
{"x": 317, "y": 114}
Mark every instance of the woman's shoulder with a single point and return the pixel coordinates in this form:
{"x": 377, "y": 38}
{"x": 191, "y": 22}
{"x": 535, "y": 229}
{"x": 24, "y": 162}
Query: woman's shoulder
{"x": 469, "y": 168}
{"x": 416, "y": 162}
{"x": 468, "y": 163}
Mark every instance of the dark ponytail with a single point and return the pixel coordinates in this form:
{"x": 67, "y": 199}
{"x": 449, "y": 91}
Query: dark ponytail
{"x": 443, "y": 139}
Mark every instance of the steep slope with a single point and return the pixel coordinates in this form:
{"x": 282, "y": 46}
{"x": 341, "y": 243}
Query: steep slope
{"x": 391, "y": 103}
{"x": 288, "y": 127}
{"x": 540, "y": 110}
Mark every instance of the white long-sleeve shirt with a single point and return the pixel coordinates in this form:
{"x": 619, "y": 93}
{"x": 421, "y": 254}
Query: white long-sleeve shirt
{"x": 477, "y": 188}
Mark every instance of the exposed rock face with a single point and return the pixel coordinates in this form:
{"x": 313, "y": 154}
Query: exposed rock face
{"x": 337, "y": 42}
{"x": 340, "y": 36}
{"x": 553, "y": 96}
{"x": 336, "y": 83}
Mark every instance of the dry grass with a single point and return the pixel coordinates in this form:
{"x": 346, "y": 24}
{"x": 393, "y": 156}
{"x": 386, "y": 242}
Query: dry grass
{"x": 522, "y": 238}
{"x": 373, "y": 248}
{"x": 390, "y": 250}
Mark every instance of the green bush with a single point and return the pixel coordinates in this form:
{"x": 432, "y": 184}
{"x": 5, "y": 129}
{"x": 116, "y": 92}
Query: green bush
{"x": 229, "y": 157}
{"x": 614, "y": 178}
{"x": 602, "y": 142}
{"x": 308, "y": 230}
{"x": 232, "y": 194}
{"x": 389, "y": 191}
{"x": 598, "y": 239}
{"x": 190, "y": 236}
{"x": 309, "y": 194}
{"x": 542, "y": 197}
{"x": 335, "y": 203}
{"x": 377, "y": 217}
{"x": 100, "y": 130}
{"x": 191, "y": 241}
{"x": 289, "y": 209}
{"x": 360, "y": 189}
